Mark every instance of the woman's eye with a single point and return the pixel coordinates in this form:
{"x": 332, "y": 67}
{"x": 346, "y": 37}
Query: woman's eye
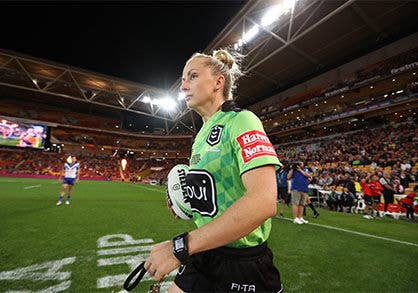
{"x": 193, "y": 76}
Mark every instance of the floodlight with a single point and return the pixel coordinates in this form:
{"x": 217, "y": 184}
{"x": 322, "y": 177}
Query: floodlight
{"x": 168, "y": 104}
{"x": 287, "y": 5}
{"x": 275, "y": 11}
{"x": 146, "y": 100}
{"x": 271, "y": 15}
{"x": 249, "y": 35}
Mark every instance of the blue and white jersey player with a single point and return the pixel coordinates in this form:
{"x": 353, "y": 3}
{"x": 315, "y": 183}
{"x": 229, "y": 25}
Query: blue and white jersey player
{"x": 72, "y": 175}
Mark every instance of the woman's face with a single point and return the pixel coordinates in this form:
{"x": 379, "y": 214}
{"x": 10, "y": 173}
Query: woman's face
{"x": 198, "y": 83}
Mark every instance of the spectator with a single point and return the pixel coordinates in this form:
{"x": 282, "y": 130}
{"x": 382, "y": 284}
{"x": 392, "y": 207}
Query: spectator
{"x": 283, "y": 188}
{"x": 332, "y": 199}
{"x": 388, "y": 189}
{"x": 299, "y": 177}
{"x": 348, "y": 198}
{"x": 408, "y": 203}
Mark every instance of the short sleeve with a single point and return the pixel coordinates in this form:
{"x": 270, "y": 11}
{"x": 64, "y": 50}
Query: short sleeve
{"x": 250, "y": 143}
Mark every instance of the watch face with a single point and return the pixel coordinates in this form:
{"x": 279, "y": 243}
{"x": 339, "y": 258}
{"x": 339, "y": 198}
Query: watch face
{"x": 178, "y": 244}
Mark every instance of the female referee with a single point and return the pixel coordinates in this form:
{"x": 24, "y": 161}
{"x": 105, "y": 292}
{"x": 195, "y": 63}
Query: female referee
{"x": 232, "y": 176}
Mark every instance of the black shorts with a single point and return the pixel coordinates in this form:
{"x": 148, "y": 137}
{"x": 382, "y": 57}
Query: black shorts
{"x": 228, "y": 269}
{"x": 371, "y": 200}
{"x": 282, "y": 193}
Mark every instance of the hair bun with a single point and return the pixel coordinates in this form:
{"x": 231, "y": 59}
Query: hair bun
{"x": 224, "y": 57}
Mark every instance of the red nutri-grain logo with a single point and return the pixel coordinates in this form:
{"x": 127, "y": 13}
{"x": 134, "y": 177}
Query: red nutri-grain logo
{"x": 255, "y": 144}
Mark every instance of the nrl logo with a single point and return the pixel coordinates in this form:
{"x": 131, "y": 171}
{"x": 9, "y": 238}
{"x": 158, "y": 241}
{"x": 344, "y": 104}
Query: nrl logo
{"x": 215, "y": 135}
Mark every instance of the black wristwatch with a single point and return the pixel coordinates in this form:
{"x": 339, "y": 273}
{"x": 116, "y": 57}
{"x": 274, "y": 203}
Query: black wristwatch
{"x": 180, "y": 248}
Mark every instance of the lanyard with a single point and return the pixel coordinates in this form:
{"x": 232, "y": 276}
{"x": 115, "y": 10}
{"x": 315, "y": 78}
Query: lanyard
{"x": 139, "y": 271}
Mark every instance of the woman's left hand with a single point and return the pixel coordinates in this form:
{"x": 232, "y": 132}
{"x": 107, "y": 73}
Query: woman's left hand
{"x": 161, "y": 260}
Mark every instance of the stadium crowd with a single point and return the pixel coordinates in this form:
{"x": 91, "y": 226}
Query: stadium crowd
{"x": 93, "y": 166}
{"x": 348, "y": 164}
{"x": 307, "y": 105}
{"x": 68, "y": 135}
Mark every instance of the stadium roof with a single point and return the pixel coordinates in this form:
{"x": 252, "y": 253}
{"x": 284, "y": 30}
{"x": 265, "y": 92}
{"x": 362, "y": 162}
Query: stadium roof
{"x": 311, "y": 37}
{"x": 305, "y": 39}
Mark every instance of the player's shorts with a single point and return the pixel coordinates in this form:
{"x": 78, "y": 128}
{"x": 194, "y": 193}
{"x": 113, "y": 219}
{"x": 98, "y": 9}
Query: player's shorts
{"x": 69, "y": 181}
{"x": 282, "y": 193}
{"x": 227, "y": 269}
{"x": 371, "y": 200}
{"x": 299, "y": 198}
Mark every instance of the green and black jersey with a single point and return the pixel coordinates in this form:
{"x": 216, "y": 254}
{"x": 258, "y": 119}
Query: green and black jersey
{"x": 230, "y": 143}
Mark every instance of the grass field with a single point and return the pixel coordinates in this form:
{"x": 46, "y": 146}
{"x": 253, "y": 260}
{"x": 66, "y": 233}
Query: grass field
{"x": 48, "y": 248}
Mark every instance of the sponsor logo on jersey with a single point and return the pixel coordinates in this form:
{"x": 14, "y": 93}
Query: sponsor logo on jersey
{"x": 255, "y": 144}
{"x": 201, "y": 192}
{"x": 214, "y": 136}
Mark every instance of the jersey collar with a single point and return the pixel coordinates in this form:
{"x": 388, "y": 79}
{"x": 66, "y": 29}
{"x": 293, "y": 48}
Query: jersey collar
{"x": 230, "y": 105}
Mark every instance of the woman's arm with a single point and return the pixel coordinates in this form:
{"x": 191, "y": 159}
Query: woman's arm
{"x": 250, "y": 211}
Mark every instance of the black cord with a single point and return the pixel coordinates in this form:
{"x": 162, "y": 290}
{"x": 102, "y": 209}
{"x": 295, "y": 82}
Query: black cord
{"x": 139, "y": 269}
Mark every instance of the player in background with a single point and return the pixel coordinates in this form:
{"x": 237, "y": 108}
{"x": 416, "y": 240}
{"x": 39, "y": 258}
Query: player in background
{"x": 71, "y": 173}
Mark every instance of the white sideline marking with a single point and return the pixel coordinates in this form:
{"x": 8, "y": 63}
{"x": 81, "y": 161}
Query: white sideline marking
{"x": 32, "y": 186}
{"x": 150, "y": 189}
{"x": 147, "y": 188}
{"x": 124, "y": 250}
{"x": 360, "y": 233}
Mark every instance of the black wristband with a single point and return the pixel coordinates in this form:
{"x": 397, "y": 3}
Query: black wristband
{"x": 180, "y": 248}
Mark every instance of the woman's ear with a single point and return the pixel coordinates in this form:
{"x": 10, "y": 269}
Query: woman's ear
{"x": 220, "y": 81}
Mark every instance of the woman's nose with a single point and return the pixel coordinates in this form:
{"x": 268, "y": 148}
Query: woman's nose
{"x": 184, "y": 85}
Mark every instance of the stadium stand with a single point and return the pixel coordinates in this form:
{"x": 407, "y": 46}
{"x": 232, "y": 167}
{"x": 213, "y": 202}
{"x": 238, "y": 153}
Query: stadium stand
{"x": 370, "y": 88}
{"x": 30, "y": 163}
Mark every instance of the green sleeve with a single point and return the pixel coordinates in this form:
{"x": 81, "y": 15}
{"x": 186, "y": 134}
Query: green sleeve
{"x": 250, "y": 143}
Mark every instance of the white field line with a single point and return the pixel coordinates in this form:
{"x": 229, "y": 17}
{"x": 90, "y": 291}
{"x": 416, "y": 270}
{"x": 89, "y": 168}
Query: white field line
{"x": 32, "y": 186}
{"x": 360, "y": 233}
{"x": 150, "y": 189}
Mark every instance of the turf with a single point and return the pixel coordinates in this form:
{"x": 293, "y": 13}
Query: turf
{"x": 310, "y": 258}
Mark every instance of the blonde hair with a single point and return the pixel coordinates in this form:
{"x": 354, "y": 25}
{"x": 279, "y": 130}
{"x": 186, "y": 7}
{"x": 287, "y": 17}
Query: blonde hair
{"x": 223, "y": 63}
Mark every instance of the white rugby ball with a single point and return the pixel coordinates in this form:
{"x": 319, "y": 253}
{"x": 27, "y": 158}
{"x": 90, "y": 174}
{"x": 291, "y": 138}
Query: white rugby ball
{"x": 176, "y": 192}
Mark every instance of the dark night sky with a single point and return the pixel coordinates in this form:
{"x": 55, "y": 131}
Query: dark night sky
{"x": 141, "y": 41}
